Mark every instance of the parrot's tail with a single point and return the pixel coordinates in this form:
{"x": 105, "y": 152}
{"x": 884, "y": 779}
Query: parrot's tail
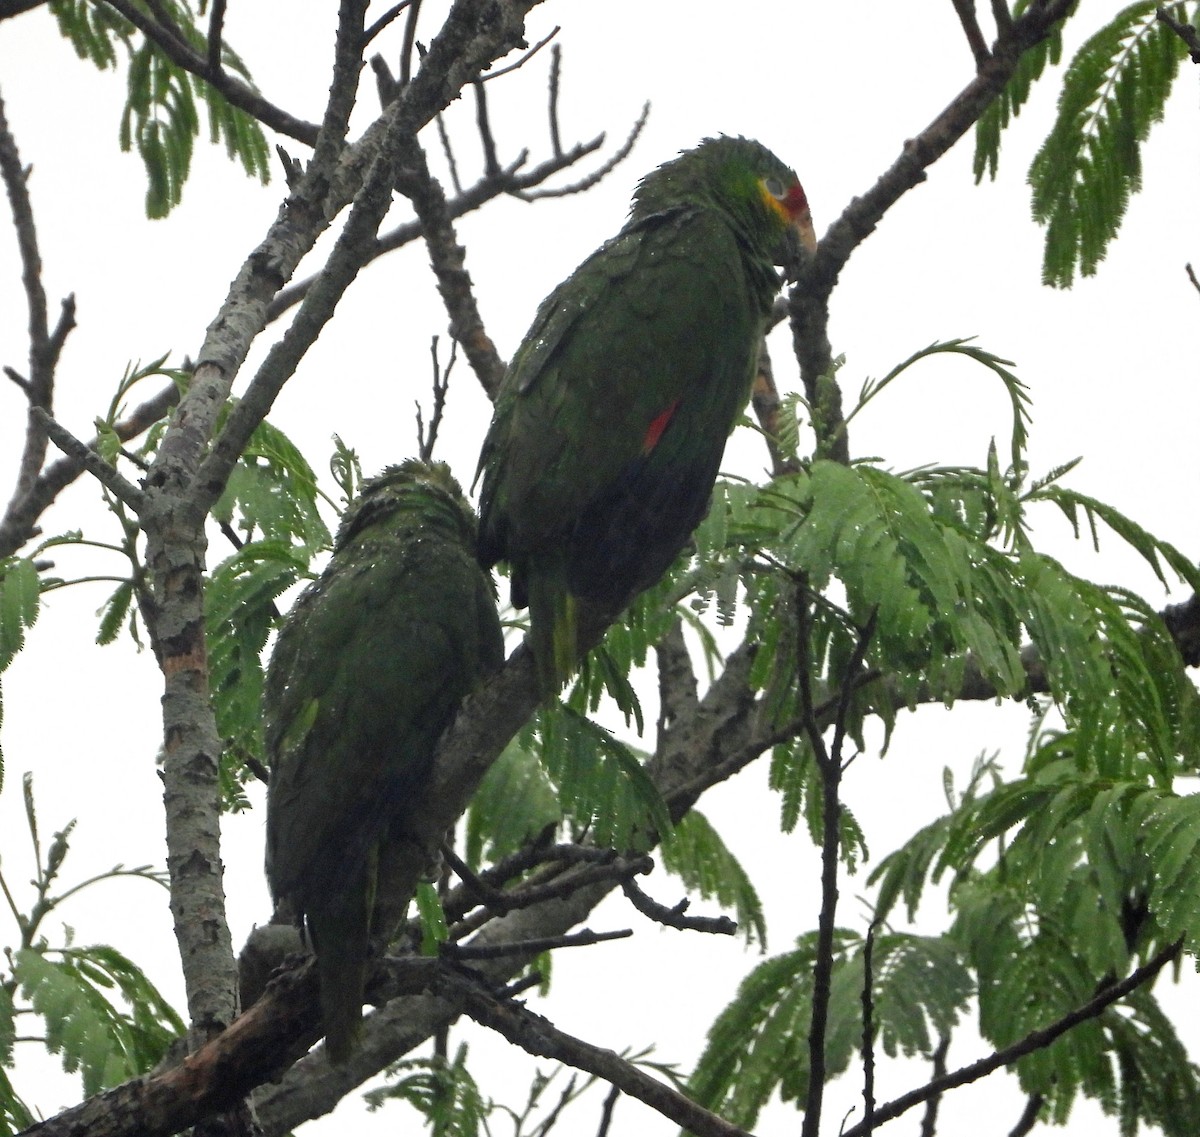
{"x": 553, "y": 630}
{"x": 340, "y": 930}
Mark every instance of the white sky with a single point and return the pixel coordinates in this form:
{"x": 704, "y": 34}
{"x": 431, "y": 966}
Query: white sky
{"x": 1110, "y": 366}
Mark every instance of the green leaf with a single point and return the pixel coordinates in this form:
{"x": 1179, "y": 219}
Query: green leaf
{"x": 759, "y": 1043}
{"x": 443, "y": 1090}
{"x": 514, "y": 802}
{"x": 19, "y": 600}
{"x": 160, "y": 118}
{"x": 432, "y": 918}
{"x": 1114, "y": 91}
{"x": 601, "y": 783}
{"x": 696, "y": 854}
{"x": 104, "y": 1044}
{"x": 1003, "y": 109}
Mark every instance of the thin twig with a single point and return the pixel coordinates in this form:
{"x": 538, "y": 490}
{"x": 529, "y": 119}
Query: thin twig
{"x": 970, "y": 25}
{"x": 89, "y": 460}
{"x": 1185, "y": 32}
{"x": 829, "y": 762}
{"x": 384, "y": 21}
{"x": 448, "y": 260}
{"x": 929, "y": 1117}
{"x": 538, "y": 1036}
{"x": 674, "y": 917}
{"x": 868, "y": 1028}
{"x": 584, "y": 938}
{"x": 491, "y": 164}
{"x": 490, "y": 75}
{"x": 1192, "y": 277}
{"x": 410, "y": 38}
{"x": 216, "y": 27}
{"x": 555, "y": 78}
{"x": 441, "y": 384}
{"x": 1029, "y": 1116}
{"x": 585, "y": 184}
{"x": 606, "y": 1112}
{"x": 484, "y": 190}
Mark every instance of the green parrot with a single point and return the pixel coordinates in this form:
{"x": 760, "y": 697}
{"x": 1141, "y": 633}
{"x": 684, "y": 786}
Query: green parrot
{"x": 366, "y": 674}
{"x": 611, "y": 420}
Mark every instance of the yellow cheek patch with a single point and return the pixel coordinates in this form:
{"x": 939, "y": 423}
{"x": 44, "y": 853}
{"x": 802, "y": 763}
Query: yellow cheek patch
{"x": 772, "y": 202}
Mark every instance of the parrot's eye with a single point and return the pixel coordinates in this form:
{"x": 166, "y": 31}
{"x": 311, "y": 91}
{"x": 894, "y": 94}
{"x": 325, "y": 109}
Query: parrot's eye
{"x": 775, "y": 188}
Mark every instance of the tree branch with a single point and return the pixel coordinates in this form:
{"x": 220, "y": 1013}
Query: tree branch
{"x": 19, "y": 523}
{"x": 970, "y": 26}
{"x": 540, "y": 1037}
{"x": 236, "y": 91}
{"x": 448, "y": 259}
{"x": 809, "y": 297}
{"x": 1185, "y": 32}
{"x": 44, "y": 346}
{"x": 1033, "y": 1041}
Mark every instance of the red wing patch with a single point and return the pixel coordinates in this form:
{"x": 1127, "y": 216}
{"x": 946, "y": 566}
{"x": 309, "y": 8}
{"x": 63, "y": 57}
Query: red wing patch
{"x": 657, "y": 426}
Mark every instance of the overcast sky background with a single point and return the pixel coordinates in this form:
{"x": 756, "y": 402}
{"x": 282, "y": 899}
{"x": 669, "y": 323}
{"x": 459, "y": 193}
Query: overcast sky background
{"x": 1110, "y": 366}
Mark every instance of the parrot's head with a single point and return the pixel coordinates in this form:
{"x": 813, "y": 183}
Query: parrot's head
{"x": 420, "y": 490}
{"x": 762, "y": 197}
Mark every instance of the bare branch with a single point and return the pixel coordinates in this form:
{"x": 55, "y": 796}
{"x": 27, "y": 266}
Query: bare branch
{"x": 410, "y": 38}
{"x": 868, "y": 1027}
{"x": 522, "y": 60}
{"x": 448, "y": 258}
{"x": 584, "y": 938}
{"x": 1029, "y": 1116}
{"x": 20, "y": 520}
{"x": 809, "y": 298}
{"x": 970, "y": 25}
{"x": 1185, "y": 32}
{"x": 44, "y": 347}
{"x": 90, "y": 460}
{"x": 216, "y": 28}
{"x": 384, "y": 21}
{"x": 674, "y": 917}
{"x": 929, "y": 1117}
{"x": 491, "y": 164}
{"x": 441, "y": 384}
{"x": 829, "y": 761}
{"x": 483, "y": 191}
{"x": 598, "y": 175}
{"x": 538, "y": 1036}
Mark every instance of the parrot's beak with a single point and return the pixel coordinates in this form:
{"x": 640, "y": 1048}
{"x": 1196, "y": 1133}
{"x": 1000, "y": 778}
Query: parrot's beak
{"x": 804, "y": 231}
{"x": 799, "y": 242}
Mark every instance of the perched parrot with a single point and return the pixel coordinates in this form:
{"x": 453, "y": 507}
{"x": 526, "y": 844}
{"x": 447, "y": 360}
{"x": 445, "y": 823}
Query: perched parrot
{"x": 611, "y": 420}
{"x": 366, "y": 674}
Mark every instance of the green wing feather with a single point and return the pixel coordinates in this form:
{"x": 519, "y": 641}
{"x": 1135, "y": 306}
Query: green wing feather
{"x": 611, "y": 422}
{"x": 366, "y": 674}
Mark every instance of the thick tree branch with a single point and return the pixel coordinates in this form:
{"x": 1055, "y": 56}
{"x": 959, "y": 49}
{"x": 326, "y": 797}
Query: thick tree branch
{"x": 448, "y": 259}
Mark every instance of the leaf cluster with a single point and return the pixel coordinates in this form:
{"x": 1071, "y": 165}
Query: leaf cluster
{"x": 99, "y": 1010}
{"x": 1114, "y": 90}
{"x": 161, "y": 118}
